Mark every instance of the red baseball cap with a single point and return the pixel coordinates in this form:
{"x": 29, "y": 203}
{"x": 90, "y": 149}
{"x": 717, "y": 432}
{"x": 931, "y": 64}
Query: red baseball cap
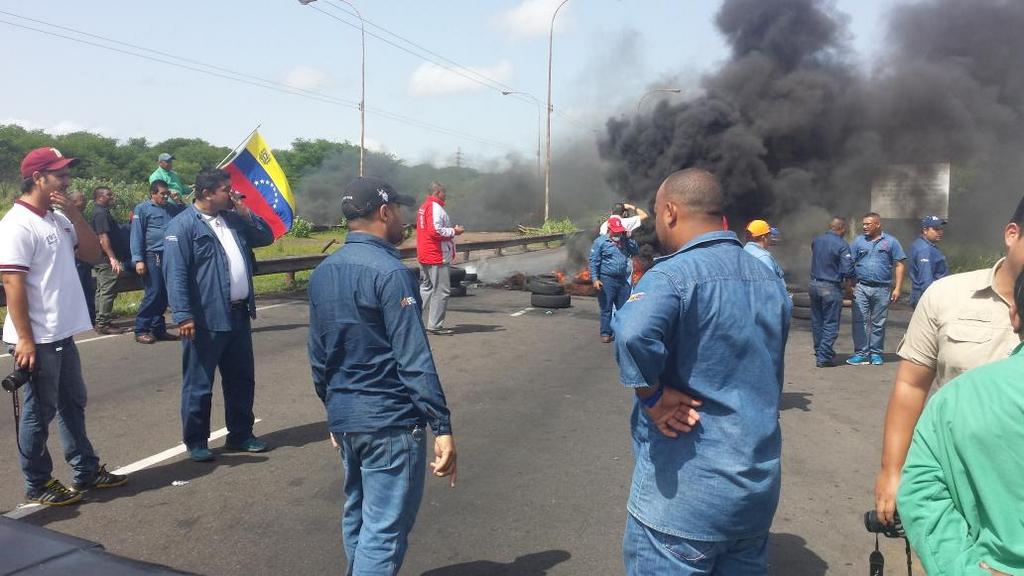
{"x": 44, "y": 160}
{"x": 615, "y": 225}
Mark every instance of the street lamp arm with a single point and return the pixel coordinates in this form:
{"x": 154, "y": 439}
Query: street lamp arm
{"x": 653, "y": 91}
{"x": 547, "y": 164}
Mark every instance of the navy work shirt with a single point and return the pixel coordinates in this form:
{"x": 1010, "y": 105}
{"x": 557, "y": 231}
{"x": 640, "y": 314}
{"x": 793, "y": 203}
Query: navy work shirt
{"x": 196, "y": 270}
{"x": 710, "y": 321}
{"x": 372, "y": 365}
{"x": 149, "y": 220}
{"x": 830, "y": 258}
{"x": 874, "y": 259}
{"x": 927, "y": 264}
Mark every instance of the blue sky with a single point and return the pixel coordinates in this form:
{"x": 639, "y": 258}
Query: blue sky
{"x": 606, "y": 54}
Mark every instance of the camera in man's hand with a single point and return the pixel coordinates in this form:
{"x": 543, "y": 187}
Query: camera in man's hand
{"x": 875, "y": 525}
{"x": 16, "y": 379}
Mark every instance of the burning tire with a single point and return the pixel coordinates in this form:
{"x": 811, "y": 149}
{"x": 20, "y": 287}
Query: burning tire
{"x": 470, "y": 277}
{"x": 550, "y": 301}
{"x": 456, "y": 275}
{"x": 545, "y": 287}
{"x": 457, "y": 291}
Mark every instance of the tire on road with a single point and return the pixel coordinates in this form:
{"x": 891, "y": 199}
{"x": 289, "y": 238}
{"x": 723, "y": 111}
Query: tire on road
{"x": 544, "y": 287}
{"x": 550, "y": 300}
{"x": 801, "y": 300}
{"x": 801, "y": 313}
{"x": 457, "y": 291}
{"x": 470, "y": 277}
{"x": 456, "y": 275}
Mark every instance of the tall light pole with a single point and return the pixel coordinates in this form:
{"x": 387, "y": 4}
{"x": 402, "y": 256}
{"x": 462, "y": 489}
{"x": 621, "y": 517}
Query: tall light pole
{"x": 655, "y": 90}
{"x": 362, "y": 88}
{"x": 539, "y": 104}
{"x": 547, "y": 163}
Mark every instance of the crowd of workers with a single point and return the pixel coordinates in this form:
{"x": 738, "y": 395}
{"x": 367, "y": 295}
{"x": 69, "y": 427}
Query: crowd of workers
{"x": 699, "y": 340}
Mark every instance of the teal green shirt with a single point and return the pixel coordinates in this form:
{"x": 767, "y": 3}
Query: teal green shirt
{"x": 173, "y": 180}
{"x": 961, "y": 498}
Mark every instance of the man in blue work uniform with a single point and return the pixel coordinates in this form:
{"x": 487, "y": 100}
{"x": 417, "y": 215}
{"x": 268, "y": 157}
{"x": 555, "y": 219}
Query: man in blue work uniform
{"x": 609, "y": 269}
{"x": 701, "y": 342}
{"x": 759, "y": 238}
{"x": 878, "y": 265}
{"x": 149, "y": 219}
{"x": 927, "y": 262}
{"x": 831, "y": 264}
{"x": 208, "y": 272}
{"x": 373, "y": 370}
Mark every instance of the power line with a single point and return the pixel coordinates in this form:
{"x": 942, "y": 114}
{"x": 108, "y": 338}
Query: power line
{"x": 229, "y": 74}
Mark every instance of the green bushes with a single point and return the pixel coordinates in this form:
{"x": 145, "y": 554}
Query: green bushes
{"x": 301, "y": 228}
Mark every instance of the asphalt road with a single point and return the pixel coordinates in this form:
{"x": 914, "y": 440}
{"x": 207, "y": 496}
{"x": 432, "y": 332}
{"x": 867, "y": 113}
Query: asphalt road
{"x": 541, "y": 425}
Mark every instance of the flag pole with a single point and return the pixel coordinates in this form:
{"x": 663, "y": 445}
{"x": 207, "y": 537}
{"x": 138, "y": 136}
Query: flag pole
{"x": 231, "y": 154}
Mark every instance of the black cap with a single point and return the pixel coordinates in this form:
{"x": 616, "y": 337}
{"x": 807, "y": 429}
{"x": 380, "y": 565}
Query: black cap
{"x": 364, "y": 195}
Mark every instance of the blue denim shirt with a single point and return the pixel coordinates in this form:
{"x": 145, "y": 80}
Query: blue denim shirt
{"x": 765, "y": 257}
{"x": 196, "y": 267}
{"x": 608, "y": 258}
{"x": 831, "y": 260}
{"x": 874, "y": 260}
{"x": 711, "y": 321}
{"x": 927, "y": 264}
{"x": 372, "y": 365}
{"x": 147, "y": 229}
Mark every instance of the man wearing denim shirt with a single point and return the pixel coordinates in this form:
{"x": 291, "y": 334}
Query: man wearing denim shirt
{"x": 701, "y": 342}
{"x": 374, "y": 372}
{"x": 878, "y": 265}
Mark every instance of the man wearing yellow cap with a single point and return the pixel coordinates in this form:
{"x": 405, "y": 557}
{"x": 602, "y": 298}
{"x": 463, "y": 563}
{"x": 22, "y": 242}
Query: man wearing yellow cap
{"x": 759, "y": 237}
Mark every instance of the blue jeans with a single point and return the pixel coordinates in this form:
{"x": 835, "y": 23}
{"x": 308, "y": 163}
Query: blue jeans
{"x": 614, "y": 292}
{"x": 57, "y": 389}
{"x": 231, "y": 352}
{"x": 870, "y": 308}
{"x": 648, "y": 552}
{"x": 154, "y": 301}
{"x": 826, "y": 313}
{"x": 384, "y": 476}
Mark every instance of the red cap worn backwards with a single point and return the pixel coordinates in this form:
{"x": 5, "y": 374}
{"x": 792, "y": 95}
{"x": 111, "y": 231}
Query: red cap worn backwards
{"x": 615, "y": 225}
{"x": 44, "y": 160}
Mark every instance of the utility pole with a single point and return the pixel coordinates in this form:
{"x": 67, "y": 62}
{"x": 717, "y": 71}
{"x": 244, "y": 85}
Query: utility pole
{"x": 547, "y": 165}
{"x": 458, "y": 157}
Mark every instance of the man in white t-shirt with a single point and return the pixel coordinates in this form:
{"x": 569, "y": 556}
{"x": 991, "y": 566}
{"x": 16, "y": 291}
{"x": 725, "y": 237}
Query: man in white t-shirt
{"x": 630, "y": 223}
{"x": 45, "y": 309}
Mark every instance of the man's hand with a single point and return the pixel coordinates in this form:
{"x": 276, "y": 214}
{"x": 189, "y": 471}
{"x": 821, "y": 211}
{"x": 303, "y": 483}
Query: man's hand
{"x": 25, "y": 354}
{"x": 459, "y": 229}
{"x": 675, "y": 412}
{"x": 59, "y": 200}
{"x": 334, "y": 442}
{"x": 992, "y": 570}
{"x": 140, "y": 268}
{"x": 597, "y": 284}
{"x": 895, "y": 295}
{"x": 187, "y": 330}
{"x": 240, "y": 206}
{"x": 629, "y": 207}
{"x": 175, "y": 196}
{"x": 444, "y": 458}
{"x": 115, "y": 265}
{"x": 886, "y": 485}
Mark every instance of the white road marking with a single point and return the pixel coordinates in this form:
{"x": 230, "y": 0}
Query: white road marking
{"x": 520, "y": 313}
{"x": 258, "y": 309}
{"x": 24, "y": 510}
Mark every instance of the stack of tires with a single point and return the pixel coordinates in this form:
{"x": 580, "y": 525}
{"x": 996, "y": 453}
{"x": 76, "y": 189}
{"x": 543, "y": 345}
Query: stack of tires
{"x": 456, "y": 276}
{"x": 547, "y": 292}
{"x": 802, "y": 305}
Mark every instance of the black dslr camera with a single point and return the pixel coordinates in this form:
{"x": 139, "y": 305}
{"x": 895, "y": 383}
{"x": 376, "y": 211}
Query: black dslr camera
{"x": 16, "y": 379}
{"x": 874, "y": 525}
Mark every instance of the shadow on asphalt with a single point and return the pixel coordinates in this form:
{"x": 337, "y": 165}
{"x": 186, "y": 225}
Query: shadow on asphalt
{"x": 476, "y": 328}
{"x": 799, "y": 400}
{"x": 788, "y": 554}
{"x": 279, "y": 327}
{"x": 536, "y": 564}
{"x": 160, "y": 477}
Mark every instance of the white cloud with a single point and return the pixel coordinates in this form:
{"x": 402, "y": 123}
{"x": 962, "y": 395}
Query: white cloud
{"x": 532, "y": 18}
{"x": 429, "y": 79}
{"x": 306, "y": 78}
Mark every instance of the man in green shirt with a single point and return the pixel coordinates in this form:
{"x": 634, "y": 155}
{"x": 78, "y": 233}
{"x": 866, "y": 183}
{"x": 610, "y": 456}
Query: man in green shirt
{"x": 961, "y": 494}
{"x": 166, "y": 173}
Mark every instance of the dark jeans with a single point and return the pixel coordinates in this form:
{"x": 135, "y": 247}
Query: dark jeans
{"x": 88, "y": 288}
{"x": 231, "y": 352}
{"x": 106, "y": 291}
{"x": 826, "y": 313}
{"x": 154, "y": 301}
{"x": 57, "y": 389}
{"x": 614, "y": 292}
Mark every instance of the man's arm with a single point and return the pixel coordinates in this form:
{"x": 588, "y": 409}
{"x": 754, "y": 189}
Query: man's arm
{"x": 640, "y": 212}
{"x": 177, "y": 269}
{"x": 137, "y": 236}
{"x": 257, "y": 231}
{"x": 595, "y": 261}
{"x": 899, "y": 270}
{"x": 17, "y": 308}
{"x": 314, "y": 341}
{"x": 437, "y": 214}
{"x": 87, "y": 245}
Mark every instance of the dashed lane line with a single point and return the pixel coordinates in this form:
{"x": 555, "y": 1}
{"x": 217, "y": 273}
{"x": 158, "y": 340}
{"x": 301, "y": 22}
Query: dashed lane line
{"x": 520, "y": 313}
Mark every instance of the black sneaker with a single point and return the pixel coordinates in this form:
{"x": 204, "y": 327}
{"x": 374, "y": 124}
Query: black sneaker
{"x": 54, "y": 494}
{"x": 102, "y": 479}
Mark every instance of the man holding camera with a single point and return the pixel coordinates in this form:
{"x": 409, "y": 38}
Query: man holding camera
{"x": 149, "y": 219}
{"x": 45, "y": 309}
{"x": 208, "y": 270}
{"x": 630, "y": 223}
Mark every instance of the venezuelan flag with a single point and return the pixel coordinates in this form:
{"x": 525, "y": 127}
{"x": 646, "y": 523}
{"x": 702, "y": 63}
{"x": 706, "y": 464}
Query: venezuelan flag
{"x": 256, "y": 174}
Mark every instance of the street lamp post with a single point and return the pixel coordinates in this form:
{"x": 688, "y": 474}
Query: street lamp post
{"x": 539, "y": 104}
{"x": 547, "y": 163}
{"x": 649, "y": 92}
{"x": 362, "y": 89}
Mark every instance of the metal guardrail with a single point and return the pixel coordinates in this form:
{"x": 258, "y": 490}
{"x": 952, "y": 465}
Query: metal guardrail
{"x": 293, "y": 264}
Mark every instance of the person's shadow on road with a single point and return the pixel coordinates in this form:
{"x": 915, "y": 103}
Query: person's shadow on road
{"x": 789, "y": 554}
{"x": 536, "y": 564}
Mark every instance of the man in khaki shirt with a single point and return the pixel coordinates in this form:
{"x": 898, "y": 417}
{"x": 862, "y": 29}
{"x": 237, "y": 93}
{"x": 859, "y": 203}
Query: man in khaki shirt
{"x": 961, "y": 322}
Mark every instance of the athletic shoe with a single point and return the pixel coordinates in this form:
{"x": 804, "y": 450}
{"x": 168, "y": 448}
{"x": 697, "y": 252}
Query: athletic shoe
{"x": 102, "y": 479}
{"x": 606, "y": 339}
{"x": 200, "y": 454}
{"x": 876, "y": 360}
{"x": 858, "y": 360}
{"x": 54, "y": 494}
{"x": 250, "y": 445}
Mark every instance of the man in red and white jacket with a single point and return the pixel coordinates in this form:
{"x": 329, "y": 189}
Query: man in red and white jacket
{"x": 435, "y": 249}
